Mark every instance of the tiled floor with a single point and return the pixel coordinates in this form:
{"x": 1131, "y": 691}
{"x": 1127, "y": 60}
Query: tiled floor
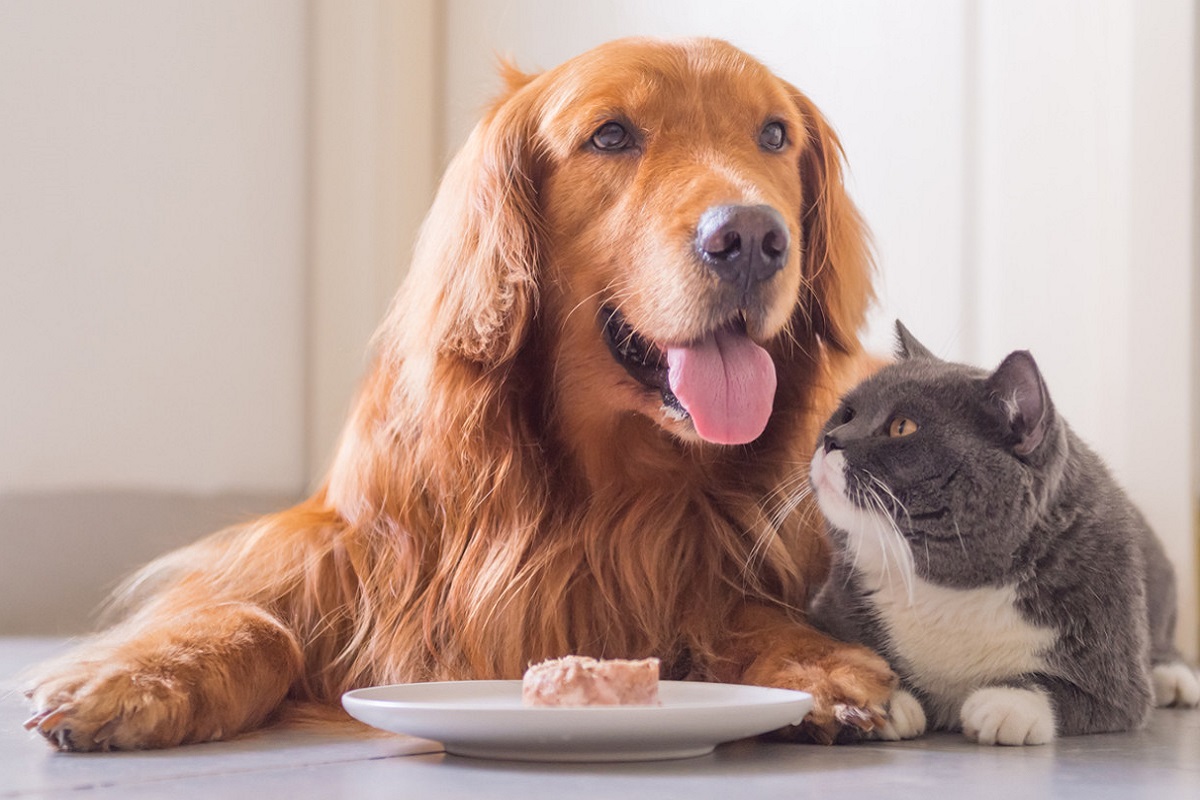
{"x": 1161, "y": 762}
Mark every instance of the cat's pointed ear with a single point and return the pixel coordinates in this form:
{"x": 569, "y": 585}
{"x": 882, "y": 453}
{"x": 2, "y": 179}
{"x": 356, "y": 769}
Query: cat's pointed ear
{"x": 1017, "y": 388}
{"x": 907, "y": 345}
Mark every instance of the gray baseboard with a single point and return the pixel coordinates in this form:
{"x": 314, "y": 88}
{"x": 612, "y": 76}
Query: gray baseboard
{"x": 62, "y": 553}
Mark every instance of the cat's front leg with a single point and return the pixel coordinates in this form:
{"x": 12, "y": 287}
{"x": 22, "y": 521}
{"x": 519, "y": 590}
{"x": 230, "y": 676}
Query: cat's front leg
{"x": 1034, "y": 709}
{"x": 1009, "y": 715}
{"x": 1175, "y": 685}
{"x": 905, "y": 718}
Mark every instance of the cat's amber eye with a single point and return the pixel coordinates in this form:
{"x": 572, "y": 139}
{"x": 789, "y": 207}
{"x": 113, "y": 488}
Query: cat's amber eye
{"x": 901, "y": 426}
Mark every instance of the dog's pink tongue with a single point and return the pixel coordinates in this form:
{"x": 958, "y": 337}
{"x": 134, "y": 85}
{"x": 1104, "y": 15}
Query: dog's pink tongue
{"x": 727, "y": 384}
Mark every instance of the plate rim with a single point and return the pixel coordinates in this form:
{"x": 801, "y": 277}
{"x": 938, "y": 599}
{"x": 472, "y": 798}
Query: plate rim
{"x": 770, "y": 696}
{"x": 511, "y": 731}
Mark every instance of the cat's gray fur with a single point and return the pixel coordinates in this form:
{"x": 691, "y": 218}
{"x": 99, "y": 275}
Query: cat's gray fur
{"x": 995, "y": 490}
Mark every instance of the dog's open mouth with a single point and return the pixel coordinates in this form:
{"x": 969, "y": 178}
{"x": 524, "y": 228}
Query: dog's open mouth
{"x": 724, "y": 382}
{"x": 643, "y": 360}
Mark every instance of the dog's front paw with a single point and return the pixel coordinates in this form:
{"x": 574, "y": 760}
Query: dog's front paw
{"x": 851, "y": 687}
{"x": 905, "y": 718}
{"x": 108, "y": 706}
{"x": 1007, "y": 715}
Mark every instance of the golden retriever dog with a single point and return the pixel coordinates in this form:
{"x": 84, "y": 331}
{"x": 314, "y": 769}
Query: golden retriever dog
{"x": 634, "y": 301}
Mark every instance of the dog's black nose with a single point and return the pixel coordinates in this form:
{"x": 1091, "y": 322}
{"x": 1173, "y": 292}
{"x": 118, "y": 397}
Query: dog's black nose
{"x": 743, "y": 244}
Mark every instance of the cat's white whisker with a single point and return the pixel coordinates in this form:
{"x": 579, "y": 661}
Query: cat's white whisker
{"x": 961, "y": 541}
{"x": 884, "y": 550}
{"x": 788, "y": 502}
{"x": 905, "y": 563}
{"x": 777, "y": 506}
{"x": 895, "y": 544}
{"x": 891, "y": 495}
{"x": 781, "y": 494}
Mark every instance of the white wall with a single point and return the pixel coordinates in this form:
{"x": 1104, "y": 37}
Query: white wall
{"x": 1026, "y": 166}
{"x": 373, "y": 167}
{"x": 152, "y": 189}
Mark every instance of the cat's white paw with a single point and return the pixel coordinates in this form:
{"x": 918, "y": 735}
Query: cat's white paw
{"x": 905, "y": 718}
{"x": 1005, "y": 715}
{"x": 1175, "y": 684}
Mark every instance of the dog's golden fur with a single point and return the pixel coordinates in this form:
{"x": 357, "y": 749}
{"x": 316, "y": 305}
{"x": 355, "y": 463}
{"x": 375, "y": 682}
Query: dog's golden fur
{"x": 504, "y": 491}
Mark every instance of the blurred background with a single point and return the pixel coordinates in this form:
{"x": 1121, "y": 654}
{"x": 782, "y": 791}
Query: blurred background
{"x": 206, "y": 206}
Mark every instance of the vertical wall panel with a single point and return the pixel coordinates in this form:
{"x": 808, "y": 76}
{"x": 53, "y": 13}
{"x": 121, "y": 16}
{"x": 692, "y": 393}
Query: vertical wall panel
{"x": 374, "y": 161}
{"x": 1054, "y": 95}
{"x": 1084, "y": 208}
{"x": 151, "y": 245}
{"x": 1161, "y": 437}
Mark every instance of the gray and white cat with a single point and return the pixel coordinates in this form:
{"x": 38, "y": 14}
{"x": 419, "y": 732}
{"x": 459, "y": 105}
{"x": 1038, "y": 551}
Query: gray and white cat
{"x": 988, "y": 554}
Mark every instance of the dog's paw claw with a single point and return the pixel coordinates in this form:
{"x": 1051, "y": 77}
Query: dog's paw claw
{"x": 52, "y": 719}
{"x": 53, "y": 725}
{"x": 864, "y": 719}
{"x": 58, "y": 727}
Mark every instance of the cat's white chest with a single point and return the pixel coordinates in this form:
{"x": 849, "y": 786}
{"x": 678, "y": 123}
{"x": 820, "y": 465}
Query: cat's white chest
{"x": 949, "y": 642}
{"x": 952, "y": 641}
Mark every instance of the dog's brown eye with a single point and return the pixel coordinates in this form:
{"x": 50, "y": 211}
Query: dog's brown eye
{"x": 773, "y": 136}
{"x": 612, "y": 136}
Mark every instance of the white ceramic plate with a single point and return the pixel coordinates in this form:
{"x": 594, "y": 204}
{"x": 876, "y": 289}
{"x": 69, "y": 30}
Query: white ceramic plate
{"x": 485, "y": 719}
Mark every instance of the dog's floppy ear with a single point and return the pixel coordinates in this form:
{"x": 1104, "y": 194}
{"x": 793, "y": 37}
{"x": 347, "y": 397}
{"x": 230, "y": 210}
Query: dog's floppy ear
{"x": 836, "y": 254}
{"x": 475, "y": 264}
